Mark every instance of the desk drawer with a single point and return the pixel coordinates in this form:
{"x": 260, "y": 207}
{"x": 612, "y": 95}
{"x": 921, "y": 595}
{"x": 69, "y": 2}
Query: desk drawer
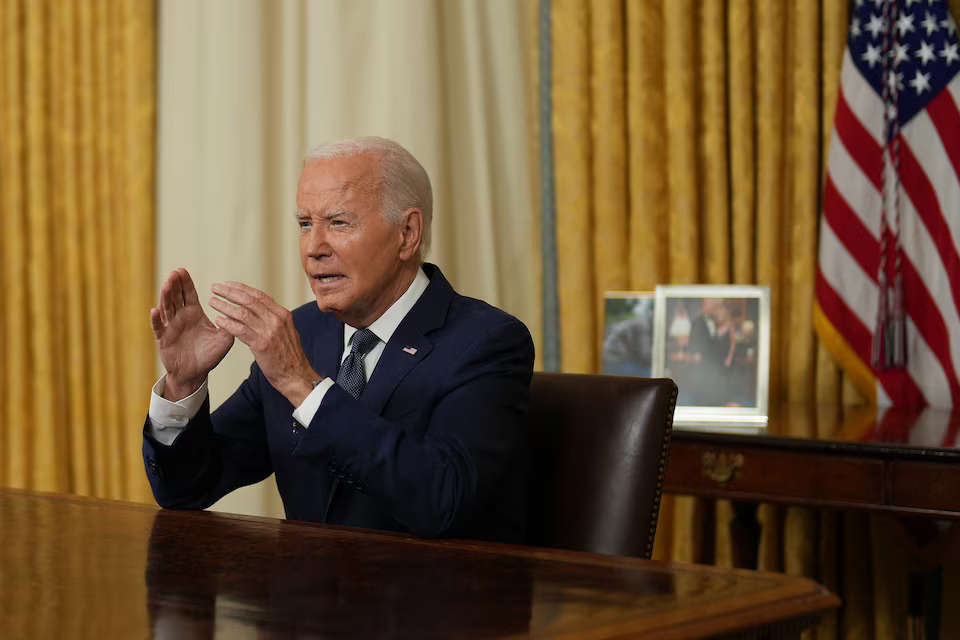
{"x": 765, "y": 475}
{"x": 924, "y": 485}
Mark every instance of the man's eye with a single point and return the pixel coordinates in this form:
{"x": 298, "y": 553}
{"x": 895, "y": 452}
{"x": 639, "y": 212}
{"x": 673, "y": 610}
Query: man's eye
{"x": 304, "y": 224}
{"x": 337, "y": 223}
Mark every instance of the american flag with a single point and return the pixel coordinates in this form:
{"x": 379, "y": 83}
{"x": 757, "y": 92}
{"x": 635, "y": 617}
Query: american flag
{"x": 888, "y": 282}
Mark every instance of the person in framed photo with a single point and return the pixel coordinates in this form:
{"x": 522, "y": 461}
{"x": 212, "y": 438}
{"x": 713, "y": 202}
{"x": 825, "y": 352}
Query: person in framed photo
{"x": 713, "y": 341}
{"x": 628, "y": 344}
{"x": 712, "y": 344}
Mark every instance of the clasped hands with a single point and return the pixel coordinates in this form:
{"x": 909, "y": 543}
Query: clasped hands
{"x": 191, "y": 346}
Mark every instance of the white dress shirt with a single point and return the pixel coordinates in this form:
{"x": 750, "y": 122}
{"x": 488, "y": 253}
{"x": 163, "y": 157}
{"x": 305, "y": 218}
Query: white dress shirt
{"x": 168, "y": 419}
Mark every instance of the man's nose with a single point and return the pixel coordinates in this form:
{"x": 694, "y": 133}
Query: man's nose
{"x": 316, "y": 244}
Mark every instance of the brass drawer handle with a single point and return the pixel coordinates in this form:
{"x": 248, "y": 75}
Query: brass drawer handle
{"x": 721, "y": 466}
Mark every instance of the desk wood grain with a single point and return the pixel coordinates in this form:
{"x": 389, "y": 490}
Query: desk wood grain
{"x": 80, "y": 567}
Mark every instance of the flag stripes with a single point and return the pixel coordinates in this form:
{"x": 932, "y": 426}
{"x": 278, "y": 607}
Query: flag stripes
{"x": 919, "y": 169}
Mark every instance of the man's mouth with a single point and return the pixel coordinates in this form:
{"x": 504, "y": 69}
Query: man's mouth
{"x": 327, "y": 279}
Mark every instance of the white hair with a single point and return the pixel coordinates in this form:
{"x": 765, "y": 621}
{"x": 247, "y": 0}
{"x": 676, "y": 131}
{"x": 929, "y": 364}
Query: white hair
{"x": 403, "y": 184}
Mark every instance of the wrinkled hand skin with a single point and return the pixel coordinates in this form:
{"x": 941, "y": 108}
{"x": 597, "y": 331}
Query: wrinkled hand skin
{"x": 267, "y": 328}
{"x": 190, "y": 345}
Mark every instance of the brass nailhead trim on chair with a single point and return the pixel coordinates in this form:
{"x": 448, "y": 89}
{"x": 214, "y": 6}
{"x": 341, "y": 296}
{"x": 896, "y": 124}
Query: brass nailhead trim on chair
{"x": 661, "y": 474}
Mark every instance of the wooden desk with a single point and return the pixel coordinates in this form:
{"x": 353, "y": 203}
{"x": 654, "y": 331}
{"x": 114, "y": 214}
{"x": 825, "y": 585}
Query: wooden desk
{"x": 900, "y": 462}
{"x": 72, "y": 567}
{"x": 905, "y": 462}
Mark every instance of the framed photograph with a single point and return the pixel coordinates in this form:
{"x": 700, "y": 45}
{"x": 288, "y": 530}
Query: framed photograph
{"x": 628, "y": 333}
{"x": 714, "y": 341}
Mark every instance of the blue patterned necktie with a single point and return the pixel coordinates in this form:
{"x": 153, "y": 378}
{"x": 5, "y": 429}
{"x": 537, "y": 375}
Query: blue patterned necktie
{"x": 351, "y": 377}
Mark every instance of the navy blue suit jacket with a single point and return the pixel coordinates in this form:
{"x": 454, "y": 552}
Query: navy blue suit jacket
{"x": 435, "y": 445}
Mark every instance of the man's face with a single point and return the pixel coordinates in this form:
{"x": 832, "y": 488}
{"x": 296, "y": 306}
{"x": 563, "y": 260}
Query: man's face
{"x": 353, "y": 257}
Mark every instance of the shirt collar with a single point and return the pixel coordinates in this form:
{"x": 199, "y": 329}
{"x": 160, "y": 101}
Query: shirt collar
{"x": 384, "y": 326}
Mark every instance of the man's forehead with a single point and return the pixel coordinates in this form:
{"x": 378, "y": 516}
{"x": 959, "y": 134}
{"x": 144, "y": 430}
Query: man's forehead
{"x": 338, "y": 179}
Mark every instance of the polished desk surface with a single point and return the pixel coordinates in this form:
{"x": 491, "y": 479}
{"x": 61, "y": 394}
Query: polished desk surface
{"x": 904, "y": 461}
{"x": 82, "y": 567}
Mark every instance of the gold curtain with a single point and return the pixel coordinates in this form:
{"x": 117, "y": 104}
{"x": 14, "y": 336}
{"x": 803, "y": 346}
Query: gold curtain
{"x": 76, "y": 194}
{"x": 689, "y": 143}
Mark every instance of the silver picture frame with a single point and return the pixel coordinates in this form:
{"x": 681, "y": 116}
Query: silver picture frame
{"x": 714, "y": 342}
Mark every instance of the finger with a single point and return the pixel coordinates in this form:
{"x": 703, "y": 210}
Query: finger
{"x": 264, "y": 303}
{"x": 176, "y": 291}
{"x": 167, "y": 310}
{"x": 189, "y": 289}
{"x": 243, "y": 296}
{"x": 160, "y": 301}
{"x": 238, "y": 313}
{"x": 246, "y": 290}
{"x": 156, "y": 323}
{"x": 237, "y": 329}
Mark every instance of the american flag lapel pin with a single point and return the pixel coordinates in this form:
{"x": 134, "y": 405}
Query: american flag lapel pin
{"x": 411, "y": 350}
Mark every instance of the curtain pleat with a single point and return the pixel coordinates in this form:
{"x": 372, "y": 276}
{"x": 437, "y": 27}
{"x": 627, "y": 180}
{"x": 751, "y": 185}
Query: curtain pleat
{"x": 770, "y": 32}
{"x": 649, "y": 258}
{"x": 14, "y": 393}
{"x": 743, "y": 147}
{"x": 570, "y": 35}
{"x": 681, "y": 95}
{"x": 712, "y": 143}
{"x": 608, "y": 127}
{"x": 76, "y": 190}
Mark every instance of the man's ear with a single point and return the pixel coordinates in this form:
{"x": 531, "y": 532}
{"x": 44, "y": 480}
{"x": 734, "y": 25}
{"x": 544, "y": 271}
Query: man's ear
{"x": 411, "y": 233}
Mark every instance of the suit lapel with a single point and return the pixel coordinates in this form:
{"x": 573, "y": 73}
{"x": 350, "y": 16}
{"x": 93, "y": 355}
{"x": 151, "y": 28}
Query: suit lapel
{"x": 393, "y": 366}
{"x": 409, "y": 344}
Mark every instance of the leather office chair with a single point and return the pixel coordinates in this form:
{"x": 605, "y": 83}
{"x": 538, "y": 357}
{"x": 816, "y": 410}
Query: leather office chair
{"x": 599, "y": 448}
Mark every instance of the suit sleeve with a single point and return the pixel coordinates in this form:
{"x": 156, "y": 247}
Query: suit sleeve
{"x": 214, "y": 454}
{"x": 436, "y": 477}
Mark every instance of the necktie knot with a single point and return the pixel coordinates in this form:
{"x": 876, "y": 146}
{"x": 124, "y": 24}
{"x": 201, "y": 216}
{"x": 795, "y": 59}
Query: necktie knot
{"x": 363, "y": 341}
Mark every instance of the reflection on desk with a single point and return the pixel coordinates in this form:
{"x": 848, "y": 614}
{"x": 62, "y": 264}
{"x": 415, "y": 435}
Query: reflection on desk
{"x": 926, "y": 428}
{"x": 76, "y": 566}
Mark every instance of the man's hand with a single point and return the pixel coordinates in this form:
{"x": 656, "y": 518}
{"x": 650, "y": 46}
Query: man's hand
{"x": 267, "y": 328}
{"x": 190, "y": 345}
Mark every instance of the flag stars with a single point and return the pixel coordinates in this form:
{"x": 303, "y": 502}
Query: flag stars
{"x": 926, "y": 53}
{"x": 871, "y": 56}
{"x": 929, "y": 23}
{"x": 899, "y": 53}
{"x": 855, "y": 30}
{"x": 949, "y": 24}
{"x": 949, "y": 53}
{"x": 920, "y": 82}
{"x": 875, "y": 26}
{"x": 895, "y": 81}
{"x": 905, "y": 24}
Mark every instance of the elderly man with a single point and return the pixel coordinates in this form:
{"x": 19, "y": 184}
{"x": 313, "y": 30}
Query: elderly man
{"x": 392, "y": 402}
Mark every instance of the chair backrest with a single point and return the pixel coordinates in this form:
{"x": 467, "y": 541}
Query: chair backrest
{"x": 599, "y": 447}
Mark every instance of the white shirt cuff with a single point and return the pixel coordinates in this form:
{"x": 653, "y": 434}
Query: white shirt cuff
{"x": 167, "y": 419}
{"x": 308, "y": 408}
